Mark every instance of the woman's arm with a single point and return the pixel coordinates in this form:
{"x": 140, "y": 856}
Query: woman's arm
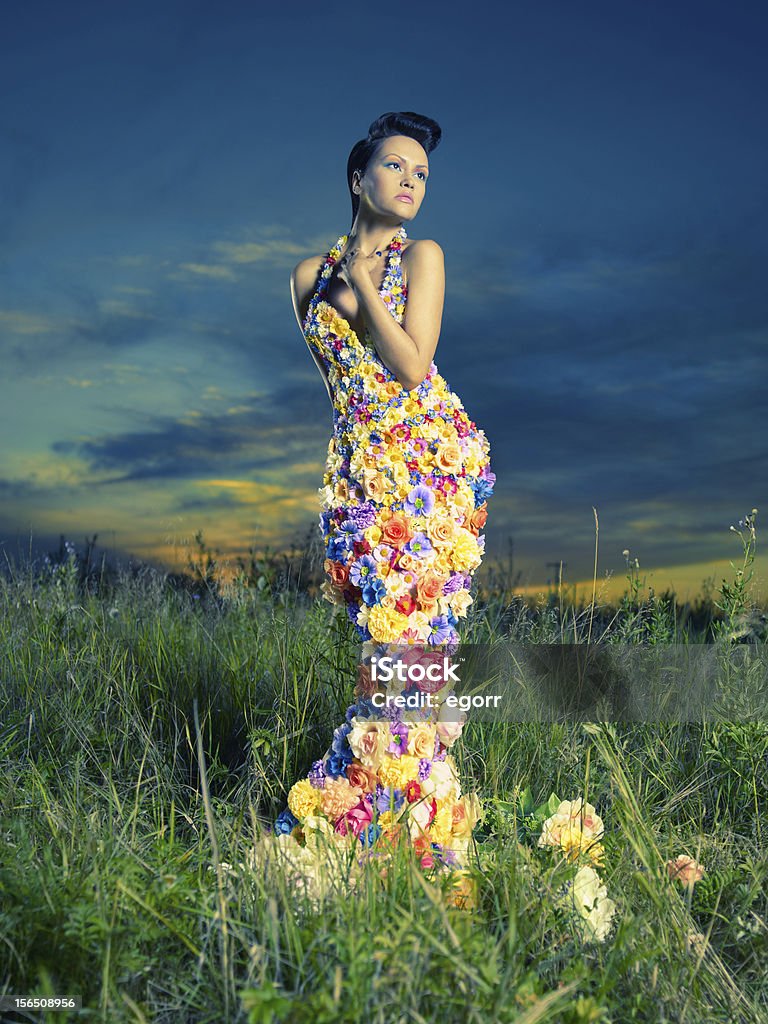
{"x": 407, "y": 350}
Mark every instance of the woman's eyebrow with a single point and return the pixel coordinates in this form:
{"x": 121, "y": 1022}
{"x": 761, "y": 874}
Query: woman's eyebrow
{"x": 418, "y": 166}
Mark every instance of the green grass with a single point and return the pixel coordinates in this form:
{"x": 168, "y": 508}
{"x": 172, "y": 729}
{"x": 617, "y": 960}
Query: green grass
{"x": 148, "y": 735}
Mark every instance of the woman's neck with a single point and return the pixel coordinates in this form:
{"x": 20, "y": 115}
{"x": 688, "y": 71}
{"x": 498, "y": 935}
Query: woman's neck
{"x": 372, "y": 235}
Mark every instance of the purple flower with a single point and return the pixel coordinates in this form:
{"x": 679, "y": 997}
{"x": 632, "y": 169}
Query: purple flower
{"x": 441, "y": 630}
{"x": 425, "y": 766}
{"x": 454, "y": 582}
{"x": 419, "y": 545}
{"x": 385, "y": 795}
{"x": 363, "y": 516}
{"x": 399, "y": 742}
{"x": 317, "y": 775}
{"x": 420, "y": 501}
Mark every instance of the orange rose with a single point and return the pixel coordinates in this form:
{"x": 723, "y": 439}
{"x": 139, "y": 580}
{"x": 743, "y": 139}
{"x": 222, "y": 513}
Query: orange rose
{"x": 365, "y": 685}
{"x": 429, "y": 608}
{"x": 396, "y": 531}
{"x": 429, "y": 586}
{"x": 477, "y": 519}
{"x": 359, "y": 775}
{"x": 339, "y": 573}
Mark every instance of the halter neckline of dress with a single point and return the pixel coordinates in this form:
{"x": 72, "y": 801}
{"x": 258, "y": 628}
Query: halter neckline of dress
{"x": 394, "y": 247}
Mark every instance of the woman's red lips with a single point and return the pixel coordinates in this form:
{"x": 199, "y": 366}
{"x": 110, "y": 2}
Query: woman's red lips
{"x": 404, "y": 195}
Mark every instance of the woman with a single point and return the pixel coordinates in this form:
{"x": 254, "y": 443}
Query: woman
{"x": 404, "y": 499}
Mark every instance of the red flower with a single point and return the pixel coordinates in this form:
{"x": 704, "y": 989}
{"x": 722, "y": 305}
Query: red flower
{"x": 406, "y": 604}
{"x": 412, "y": 791}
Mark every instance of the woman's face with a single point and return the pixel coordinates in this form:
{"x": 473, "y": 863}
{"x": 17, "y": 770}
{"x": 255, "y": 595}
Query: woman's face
{"x": 398, "y": 167}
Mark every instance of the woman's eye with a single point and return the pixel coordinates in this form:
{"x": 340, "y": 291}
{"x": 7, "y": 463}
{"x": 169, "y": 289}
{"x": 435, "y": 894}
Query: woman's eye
{"x": 394, "y": 163}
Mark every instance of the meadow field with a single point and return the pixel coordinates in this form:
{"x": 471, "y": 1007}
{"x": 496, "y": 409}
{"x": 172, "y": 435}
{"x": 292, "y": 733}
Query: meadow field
{"x": 152, "y": 724}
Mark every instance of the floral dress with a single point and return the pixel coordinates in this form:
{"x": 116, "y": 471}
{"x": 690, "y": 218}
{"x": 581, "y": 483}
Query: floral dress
{"x": 407, "y": 478}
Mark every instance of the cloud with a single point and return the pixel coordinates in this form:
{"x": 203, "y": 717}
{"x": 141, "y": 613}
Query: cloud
{"x": 260, "y": 436}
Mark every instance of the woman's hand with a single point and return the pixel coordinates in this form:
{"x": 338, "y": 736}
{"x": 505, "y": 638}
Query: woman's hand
{"x": 355, "y": 266}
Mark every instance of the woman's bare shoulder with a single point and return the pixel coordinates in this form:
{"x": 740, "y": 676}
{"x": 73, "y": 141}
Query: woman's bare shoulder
{"x": 307, "y": 268}
{"x": 421, "y": 247}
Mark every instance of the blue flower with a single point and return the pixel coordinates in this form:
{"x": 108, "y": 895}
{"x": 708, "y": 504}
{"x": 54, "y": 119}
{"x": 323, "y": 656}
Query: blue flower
{"x": 373, "y": 591}
{"x": 340, "y": 743}
{"x": 482, "y": 489}
{"x": 361, "y": 569}
{"x": 336, "y": 765}
{"x": 285, "y": 822}
{"x": 369, "y": 835}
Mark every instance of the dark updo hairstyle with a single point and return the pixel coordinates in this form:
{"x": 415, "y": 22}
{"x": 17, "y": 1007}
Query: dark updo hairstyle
{"x": 423, "y": 129}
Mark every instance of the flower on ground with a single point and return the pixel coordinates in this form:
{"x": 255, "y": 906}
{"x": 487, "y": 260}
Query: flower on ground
{"x": 685, "y": 870}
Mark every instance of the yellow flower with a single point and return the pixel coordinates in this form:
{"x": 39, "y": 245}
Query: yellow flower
{"x": 440, "y": 829}
{"x": 303, "y": 799}
{"x": 397, "y": 771}
{"x": 465, "y": 553}
{"x": 385, "y": 624}
{"x": 463, "y": 892}
{"x": 421, "y": 740}
{"x": 340, "y": 326}
{"x": 373, "y": 534}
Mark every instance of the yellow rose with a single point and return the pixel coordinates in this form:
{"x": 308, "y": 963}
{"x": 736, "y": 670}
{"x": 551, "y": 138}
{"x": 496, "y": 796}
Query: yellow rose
{"x": 459, "y": 602}
{"x": 421, "y": 740}
{"x": 368, "y": 740}
{"x": 448, "y": 458}
{"x": 374, "y": 484}
{"x": 441, "y": 529}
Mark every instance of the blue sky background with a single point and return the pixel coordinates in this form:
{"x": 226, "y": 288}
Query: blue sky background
{"x": 599, "y": 194}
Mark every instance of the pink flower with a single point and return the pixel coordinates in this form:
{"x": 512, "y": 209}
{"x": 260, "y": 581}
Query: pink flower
{"x": 355, "y": 819}
{"x": 685, "y": 870}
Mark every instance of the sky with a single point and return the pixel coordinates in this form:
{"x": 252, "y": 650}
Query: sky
{"x": 599, "y": 194}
